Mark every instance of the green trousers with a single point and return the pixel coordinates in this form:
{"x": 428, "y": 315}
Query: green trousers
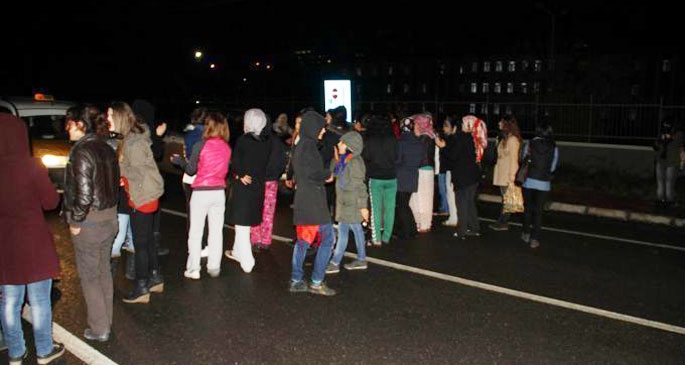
{"x": 382, "y": 194}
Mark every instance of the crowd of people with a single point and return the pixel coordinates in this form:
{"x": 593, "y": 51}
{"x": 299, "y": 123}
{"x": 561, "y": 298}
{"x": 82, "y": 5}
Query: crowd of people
{"x": 373, "y": 177}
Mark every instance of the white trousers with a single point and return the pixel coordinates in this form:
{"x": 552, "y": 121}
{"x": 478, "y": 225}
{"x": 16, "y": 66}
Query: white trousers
{"x": 421, "y": 202}
{"x": 242, "y": 248}
{"x": 451, "y": 200}
{"x": 209, "y": 205}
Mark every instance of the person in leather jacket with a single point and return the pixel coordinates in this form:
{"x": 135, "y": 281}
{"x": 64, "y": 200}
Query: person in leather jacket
{"x": 90, "y": 206}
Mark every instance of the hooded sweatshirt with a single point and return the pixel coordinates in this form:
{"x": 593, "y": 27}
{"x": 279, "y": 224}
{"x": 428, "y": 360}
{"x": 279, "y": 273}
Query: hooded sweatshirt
{"x": 27, "y": 249}
{"x": 351, "y": 194}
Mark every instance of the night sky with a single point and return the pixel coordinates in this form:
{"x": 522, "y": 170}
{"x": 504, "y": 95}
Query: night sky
{"x": 109, "y": 48}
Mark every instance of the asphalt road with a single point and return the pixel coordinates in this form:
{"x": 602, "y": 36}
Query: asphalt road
{"x": 431, "y": 300}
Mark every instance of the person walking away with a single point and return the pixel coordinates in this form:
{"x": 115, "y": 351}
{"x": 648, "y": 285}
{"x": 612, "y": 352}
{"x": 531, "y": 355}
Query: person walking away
{"x": 145, "y": 112}
{"x": 409, "y": 156}
{"x": 447, "y": 155}
{"x": 465, "y": 179}
{"x": 504, "y": 174}
{"x": 380, "y": 155}
{"x": 351, "y": 200}
{"x": 248, "y": 166}
{"x": 90, "y": 199}
{"x": 668, "y": 157}
{"x": 421, "y": 202}
{"x": 29, "y": 260}
{"x": 208, "y": 164}
{"x": 144, "y": 186}
{"x": 260, "y": 234}
{"x": 311, "y": 216}
{"x": 543, "y": 156}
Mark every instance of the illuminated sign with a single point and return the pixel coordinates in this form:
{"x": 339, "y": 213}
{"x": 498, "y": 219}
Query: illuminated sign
{"x": 337, "y": 93}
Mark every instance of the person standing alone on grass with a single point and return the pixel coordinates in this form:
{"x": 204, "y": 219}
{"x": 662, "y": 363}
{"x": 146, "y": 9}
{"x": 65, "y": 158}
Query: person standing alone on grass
{"x": 351, "y": 200}
{"x": 28, "y": 258}
{"x": 91, "y": 194}
{"x": 508, "y": 152}
{"x": 311, "y": 216}
{"x": 542, "y": 154}
{"x": 209, "y": 166}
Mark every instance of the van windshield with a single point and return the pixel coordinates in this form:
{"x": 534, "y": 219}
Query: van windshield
{"x": 46, "y": 127}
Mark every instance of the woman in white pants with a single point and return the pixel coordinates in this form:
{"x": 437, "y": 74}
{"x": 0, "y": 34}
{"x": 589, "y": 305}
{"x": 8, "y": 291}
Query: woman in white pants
{"x": 421, "y": 202}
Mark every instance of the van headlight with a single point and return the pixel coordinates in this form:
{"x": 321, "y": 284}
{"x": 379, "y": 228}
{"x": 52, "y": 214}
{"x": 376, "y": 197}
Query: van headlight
{"x": 52, "y": 161}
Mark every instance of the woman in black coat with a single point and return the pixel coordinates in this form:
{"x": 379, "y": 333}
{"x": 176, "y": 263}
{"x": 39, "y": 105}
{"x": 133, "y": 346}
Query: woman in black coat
{"x": 248, "y": 163}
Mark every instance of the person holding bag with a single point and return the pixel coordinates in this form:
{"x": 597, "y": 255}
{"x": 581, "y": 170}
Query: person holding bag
{"x": 508, "y": 150}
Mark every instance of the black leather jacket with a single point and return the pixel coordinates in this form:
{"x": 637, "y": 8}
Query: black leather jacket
{"x": 91, "y": 178}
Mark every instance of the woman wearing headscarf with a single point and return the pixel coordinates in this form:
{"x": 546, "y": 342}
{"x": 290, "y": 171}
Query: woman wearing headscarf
{"x": 248, "y": 165}
{"x": 465, "y": 177}
{"x": 421, "y": 202}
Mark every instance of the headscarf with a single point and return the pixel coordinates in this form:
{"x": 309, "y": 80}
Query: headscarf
{"x": 254, "y": 121}
{"x": 425, "y": 123}
{"x": 479, "y": 131}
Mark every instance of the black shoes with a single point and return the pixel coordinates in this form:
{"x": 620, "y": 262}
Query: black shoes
{"x": 89, "y": 335}
{"x": 155, "y": 283}
{"x": 57, "y": 352}
{"x": 140, "y": 293}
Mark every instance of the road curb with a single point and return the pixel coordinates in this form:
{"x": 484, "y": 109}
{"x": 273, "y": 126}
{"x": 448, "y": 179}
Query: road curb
{"x": 618, "y": 214}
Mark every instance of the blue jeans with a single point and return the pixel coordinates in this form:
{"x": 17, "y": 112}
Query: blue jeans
{"x": 41, "y": 312}
{"x": 341, "y": 246}
{"x": 124, "y": 233}
{"x": 442, "y": 188}
{"x": 322, "y": 256}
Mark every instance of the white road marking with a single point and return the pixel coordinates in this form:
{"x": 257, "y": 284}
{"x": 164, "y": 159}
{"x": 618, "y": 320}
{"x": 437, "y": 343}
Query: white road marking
{"x": 73, "y": 344}
{"x": 599, "y": 236}
{"x": 527, "y": 296}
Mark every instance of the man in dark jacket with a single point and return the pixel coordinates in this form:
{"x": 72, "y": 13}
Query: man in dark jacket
{"x": 28, "y": 259}
{"x": 90, "y": 204}
{"x": 410, "y": 153}
{"x": 311, "y": 215}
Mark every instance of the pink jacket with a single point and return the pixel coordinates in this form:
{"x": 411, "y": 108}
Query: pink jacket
{"x": 212, "y": 166}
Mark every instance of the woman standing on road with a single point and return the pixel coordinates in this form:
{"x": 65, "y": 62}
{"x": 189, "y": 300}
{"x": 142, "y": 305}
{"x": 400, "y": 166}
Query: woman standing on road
{"x": 508, "y": 152}
{"x": 29, "y": 260}
{"x": 542, "y": 155}
{"x": 144, "y": 186}
{"x": 249, "y": 162}
{"x": 421, "y": 202}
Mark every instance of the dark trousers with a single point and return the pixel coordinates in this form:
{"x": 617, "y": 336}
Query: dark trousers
{"x": 330, "y": 198}
{"x": 93, "y": 247}
{"x": 405, "y": 225}
{"x": 534, "y": 201}
{"x": 188, "y": 192}
{"x": 503, "y": 217}
{"x": 142, "y": 225}
{"x": 467, "y": 212}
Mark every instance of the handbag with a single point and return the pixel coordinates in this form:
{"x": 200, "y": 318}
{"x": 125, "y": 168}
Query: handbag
{"x": 512, "y": 202}
{"x": 522, "y": 173}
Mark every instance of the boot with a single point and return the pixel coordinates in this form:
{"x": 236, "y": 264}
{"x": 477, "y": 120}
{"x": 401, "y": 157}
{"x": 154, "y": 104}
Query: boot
{"x": 113, "y": 264}
{"x": 130, "y": 266}
{"x": 140, "y": 293}
{"x": 155, "y": 283}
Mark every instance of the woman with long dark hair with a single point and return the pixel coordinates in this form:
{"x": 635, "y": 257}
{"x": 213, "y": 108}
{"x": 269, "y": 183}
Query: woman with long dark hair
{"x": 508, "y": 151}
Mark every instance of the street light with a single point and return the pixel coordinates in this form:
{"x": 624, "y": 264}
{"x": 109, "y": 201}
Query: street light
{"x": 212, "y": 66}
{"x": 198, "y": 55}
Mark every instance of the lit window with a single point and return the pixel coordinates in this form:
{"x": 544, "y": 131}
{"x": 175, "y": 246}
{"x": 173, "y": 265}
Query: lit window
{"x": 390, "y": 70}
{"x": 486, "y": 88}
{"x": 509, "y": 109}
{"x": 461, "y": 70}
{"x": 536, "y": 88}
{"x": 498, "y": 66}
{"x": 498, "y": 88}
{"x": 442, "y": 69}
{"x": 388, "y": 89}
{"x": 512, "y": 66}
{"x": 538, "y": 66}
{"x": 472, "y": 108}
{"x": 484, "y": 109}
{"x": 495, "y": 109}
{"x": 486, "y": 66}
{"x": 510, "y": 87}
{"x": 474, "y": 88}
{"x": 474, "y": 67}
{"x": 524, "y": 87}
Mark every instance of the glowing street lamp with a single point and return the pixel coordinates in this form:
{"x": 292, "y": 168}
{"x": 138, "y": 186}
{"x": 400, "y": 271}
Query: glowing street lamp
{"x": 198, "y": 55}
{"x": 212, "y": 66}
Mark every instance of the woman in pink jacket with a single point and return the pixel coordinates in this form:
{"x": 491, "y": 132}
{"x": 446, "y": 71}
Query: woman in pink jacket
{"x": 209, "y": 163}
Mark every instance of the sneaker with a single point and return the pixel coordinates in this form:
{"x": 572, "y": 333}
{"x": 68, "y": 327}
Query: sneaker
{"x": 19, "y": 360}
{"x": 89, "y": 335}
{"x": 57, "y": 352}
{"x": 204, "y": 253}
{"x": 449, "y": 224}
{"x": 321, "y": 289}
{"x": 534, "y": 243}
{"x": 297, "y": 287}
{"x": 332, "y": 268}
{"x": 356, "y": 265}
{"x": 499, "y": 227}
{"x": 214, "y": 273}
{"x": 525, "y": 237}
{"x": 192, "y": 274}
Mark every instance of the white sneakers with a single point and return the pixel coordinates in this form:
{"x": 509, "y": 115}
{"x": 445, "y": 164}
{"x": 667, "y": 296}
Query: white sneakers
{"x": 192, "y": 274}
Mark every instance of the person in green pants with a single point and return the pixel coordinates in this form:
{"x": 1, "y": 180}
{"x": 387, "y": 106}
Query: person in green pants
{"x": 380, "y": 154}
